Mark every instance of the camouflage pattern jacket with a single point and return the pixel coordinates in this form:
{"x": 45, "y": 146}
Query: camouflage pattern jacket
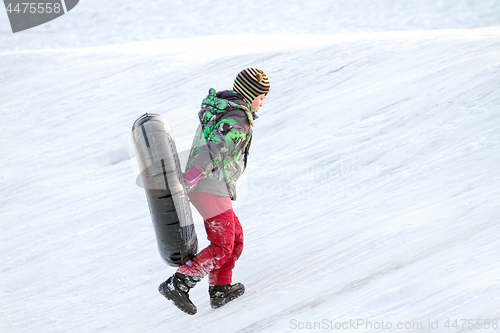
{"x": 221, "y": 143}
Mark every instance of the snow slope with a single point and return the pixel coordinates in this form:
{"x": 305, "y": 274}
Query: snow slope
{"x": 371, "y": 191}
{"x": 97, "y": 22}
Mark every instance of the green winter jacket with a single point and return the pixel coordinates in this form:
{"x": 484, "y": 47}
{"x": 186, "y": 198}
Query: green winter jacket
{"x": 221, "y": 143}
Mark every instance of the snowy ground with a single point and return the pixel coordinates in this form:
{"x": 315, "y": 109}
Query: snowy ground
{"x": 371, "y": 192}
{"x": 97, "y": 22}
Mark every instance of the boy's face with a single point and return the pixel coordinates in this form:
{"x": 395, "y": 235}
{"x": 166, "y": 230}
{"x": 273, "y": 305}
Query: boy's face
{"x": 258, "y": 102}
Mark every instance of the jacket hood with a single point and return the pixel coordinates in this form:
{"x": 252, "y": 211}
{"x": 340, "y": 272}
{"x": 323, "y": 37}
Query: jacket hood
{"x": 233, "y": 96}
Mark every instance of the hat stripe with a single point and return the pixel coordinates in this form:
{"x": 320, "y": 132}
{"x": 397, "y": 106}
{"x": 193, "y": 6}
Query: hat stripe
{"x": 264, "y": 83}
{"x": 248, "y": 94}
{"x": 254, "y": 88}
{"x": 254, "y": 85}
{"x": 240, "y": 88}
{"x": 244, "y": 94}
{"x": 248, "y": 85}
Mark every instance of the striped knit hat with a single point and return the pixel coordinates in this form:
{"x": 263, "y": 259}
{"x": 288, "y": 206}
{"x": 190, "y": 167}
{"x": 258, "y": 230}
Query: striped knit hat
{"x": 250, "y": 83}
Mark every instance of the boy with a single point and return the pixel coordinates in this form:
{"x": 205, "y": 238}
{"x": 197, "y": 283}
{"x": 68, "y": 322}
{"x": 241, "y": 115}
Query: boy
{"x": 217, "y": 159}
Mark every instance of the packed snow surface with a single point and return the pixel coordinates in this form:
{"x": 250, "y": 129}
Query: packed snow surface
{"x": 98, "y": 22}
{"x": 372, "y": 189}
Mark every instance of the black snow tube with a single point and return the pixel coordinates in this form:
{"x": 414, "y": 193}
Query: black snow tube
{"x": 161, "y": 177}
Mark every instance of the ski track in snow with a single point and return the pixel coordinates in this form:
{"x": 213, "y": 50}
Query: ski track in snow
{"x": 371, "y": 191}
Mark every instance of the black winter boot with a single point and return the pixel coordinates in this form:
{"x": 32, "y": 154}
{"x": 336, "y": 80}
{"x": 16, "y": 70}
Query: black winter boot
{"x": 221, "y": 295}
{"x": 176, "y": 289}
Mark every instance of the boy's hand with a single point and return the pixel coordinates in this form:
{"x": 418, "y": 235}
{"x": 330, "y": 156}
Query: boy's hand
{"x": 191, "y": 178}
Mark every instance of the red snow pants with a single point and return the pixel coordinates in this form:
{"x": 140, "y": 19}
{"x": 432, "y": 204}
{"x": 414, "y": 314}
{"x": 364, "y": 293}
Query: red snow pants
{"x": 225, "y": 235}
